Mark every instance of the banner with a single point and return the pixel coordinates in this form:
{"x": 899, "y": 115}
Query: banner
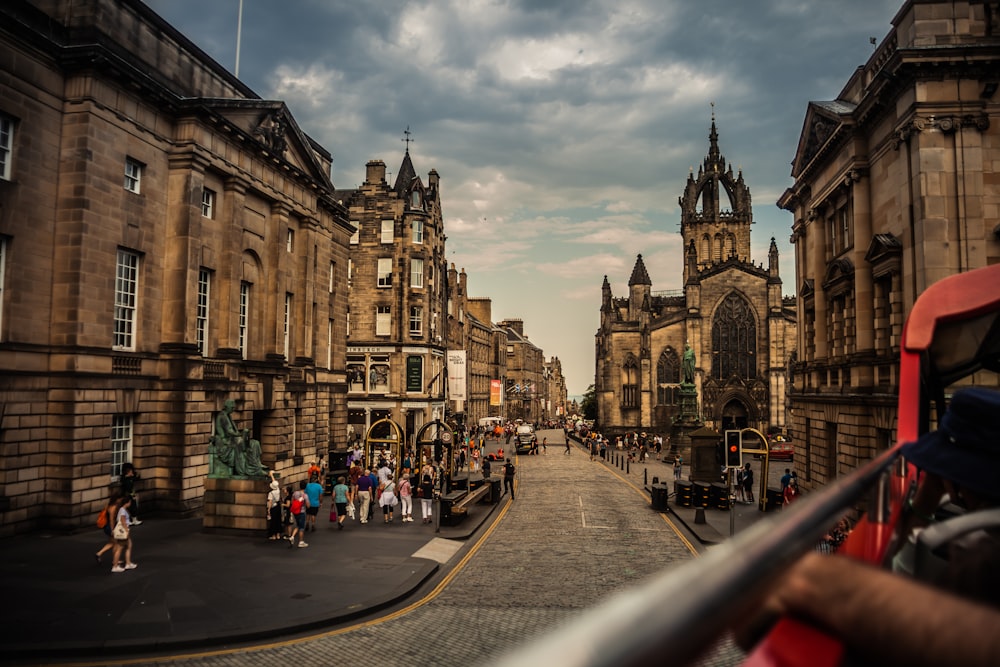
{"x": 496, "y": 386}
{"x": 456, "y": 375}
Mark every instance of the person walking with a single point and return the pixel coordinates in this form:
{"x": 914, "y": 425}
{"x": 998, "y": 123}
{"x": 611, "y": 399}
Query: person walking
{"x": 387, "y": 500}
{"x": 313, "y": 491}
{"x": 405, "y": 490}
{"x": 128, "y": 481}
{"x": 109, "y": 514}
{"x": 274, "y": 510}
{"x": 545, "y": 445}
{"x": 341, "y": 497}
{"x": 508, "y": 478}
{"x": 567, "y": 444}
{"x": 748, "y": 483}
{"x": 300, "y": 502}
{"x": 678, "y": 462}
{"x": 427, "y": 491}
{"x": 122, "y": 534}
{"x": 364, "y": 487}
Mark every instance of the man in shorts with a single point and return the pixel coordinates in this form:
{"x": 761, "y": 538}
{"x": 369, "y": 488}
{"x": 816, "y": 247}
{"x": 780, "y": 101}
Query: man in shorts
{"x": 314, "y": 492}
{"x": 300, "y": 502}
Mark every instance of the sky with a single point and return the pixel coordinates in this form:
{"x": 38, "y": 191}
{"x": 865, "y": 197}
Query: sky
{"x": 563, "y": 130}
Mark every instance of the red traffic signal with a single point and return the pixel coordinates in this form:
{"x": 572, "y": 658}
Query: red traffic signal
{"x": 734, "y": 449}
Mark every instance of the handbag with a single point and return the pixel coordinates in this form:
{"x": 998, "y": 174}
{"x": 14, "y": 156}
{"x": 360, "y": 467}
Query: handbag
{"x": 120, "y": 532}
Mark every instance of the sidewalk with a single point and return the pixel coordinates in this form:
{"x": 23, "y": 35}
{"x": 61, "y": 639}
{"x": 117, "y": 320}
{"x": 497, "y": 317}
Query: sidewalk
{"x": 196, "y": 589}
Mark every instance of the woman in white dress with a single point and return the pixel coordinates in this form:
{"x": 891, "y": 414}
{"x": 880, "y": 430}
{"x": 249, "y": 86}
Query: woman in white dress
{"x": 387, "y": 500}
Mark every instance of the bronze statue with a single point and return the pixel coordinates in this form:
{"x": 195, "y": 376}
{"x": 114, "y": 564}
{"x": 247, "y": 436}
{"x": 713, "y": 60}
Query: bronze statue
{"x": 688, "y": 364}
{"x": 234, "y": 449}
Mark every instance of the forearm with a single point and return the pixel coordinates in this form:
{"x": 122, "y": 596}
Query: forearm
{"x": 889, "y": 618}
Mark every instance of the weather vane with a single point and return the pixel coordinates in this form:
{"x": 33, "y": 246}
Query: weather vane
{"x": 407, "y": 139}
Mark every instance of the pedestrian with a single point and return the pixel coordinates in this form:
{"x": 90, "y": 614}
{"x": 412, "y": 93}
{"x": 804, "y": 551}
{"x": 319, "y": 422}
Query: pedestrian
{"x": 300, "y": 503}
{"x": 364, "y": 493}
{"x": 387, "y": 500}
{"x": 107, "y": 524}
{"x": 748, "y": 482}
{"x": 314, "y": 491}
{"x": 341, "y": 497}
{"x": 545, "y": 445}
{"x": 567, "y": 444}
{"x": 790, "y": 493}
{"x": 475, "y": 459}
{"x": 404, "y": 488}
{"x": 427, "y": 491}
{"x": 314, "y": 469}
{"x": 508, "y": 478}
{"x": 677, "y": 466}
{"x": 487, "y": 469}
{"x": 373, "y": 475}
{"x": 122, "y": 534}
{"x": 786, "y": 479}
{"x": 274, "y": 510}
{"x": 286, "y": 513}
{"x": 128, "y": 481}
{"x": 604, "y": 449}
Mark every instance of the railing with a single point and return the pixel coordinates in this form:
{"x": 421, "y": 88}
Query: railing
{"x": 683, "y": 611}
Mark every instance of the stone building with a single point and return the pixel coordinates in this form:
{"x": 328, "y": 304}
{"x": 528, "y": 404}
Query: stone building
{"x": 731, "y": 311}
{"x": 523, "y": 388}
{"x": 896, "y": 185}
{"x": 480, "y": 309}
{"x": 554, "y": 383}
{"x": 168, "y": 240}
{"x": 401, "y": 311}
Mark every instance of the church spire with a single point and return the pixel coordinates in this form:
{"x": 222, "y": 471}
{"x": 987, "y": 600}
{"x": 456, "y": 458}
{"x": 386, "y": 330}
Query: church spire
{"x": 639, "y": 274}
{"x": 713, "y": 138}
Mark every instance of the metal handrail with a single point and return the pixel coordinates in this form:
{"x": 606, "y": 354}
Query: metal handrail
{"x": 682, "y": 611}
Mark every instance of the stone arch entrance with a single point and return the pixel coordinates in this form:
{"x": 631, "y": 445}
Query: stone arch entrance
{"x": 734, "y": 415}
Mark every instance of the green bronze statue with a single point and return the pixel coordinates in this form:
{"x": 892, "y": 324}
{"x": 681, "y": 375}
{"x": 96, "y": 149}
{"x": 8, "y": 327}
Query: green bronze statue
{"x": 233, "y": 452}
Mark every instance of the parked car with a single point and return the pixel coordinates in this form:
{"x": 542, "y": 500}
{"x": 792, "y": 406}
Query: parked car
{"x": 780, "y": 449}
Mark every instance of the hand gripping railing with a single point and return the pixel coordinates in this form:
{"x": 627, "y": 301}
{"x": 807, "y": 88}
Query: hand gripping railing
{"x": 681, "y": 612}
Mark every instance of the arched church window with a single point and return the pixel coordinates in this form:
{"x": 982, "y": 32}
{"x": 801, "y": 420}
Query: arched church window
{"x": 730, "y": 246}
{"x": 630, "y": 383}
{"x": 718, "y": 257}
{"x": 734, "y": 339}
{"x": 668, "y": 376}
{"x": 706, "y": 249}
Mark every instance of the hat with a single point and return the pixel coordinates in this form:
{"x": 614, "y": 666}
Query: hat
{"x": 966, "y": 446}
{"x": 274, "y": 486}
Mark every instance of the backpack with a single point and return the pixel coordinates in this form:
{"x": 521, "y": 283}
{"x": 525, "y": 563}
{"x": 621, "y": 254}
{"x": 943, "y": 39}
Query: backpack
{"x": 102, "y": 518}
{"x": 508, "y": 469}
{"x": 297, "y": 505}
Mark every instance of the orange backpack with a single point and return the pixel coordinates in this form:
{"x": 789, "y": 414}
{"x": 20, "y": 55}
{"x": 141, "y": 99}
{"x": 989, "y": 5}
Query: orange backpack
{"x": 102, "y": 518}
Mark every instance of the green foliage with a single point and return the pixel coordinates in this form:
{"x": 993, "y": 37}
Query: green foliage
{"x": 589, "y": 404}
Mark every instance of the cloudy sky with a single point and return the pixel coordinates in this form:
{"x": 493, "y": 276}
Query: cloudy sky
{"x": 563, "y": 130}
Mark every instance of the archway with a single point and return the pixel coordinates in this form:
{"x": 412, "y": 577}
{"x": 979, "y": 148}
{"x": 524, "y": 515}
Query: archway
{"x": 734, "y": 415}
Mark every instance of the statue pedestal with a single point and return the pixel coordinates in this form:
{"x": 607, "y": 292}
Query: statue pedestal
{"x": 235, "y": 505}
{"x": 705, "y": 466}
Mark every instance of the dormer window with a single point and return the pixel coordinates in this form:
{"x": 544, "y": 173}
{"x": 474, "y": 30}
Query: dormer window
{"x": 415, "y": 199}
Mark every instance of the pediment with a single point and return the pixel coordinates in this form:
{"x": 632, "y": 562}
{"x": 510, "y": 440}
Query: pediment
{"x": 882, "y": 247}
{"x": 270, "y": 126}
{"x": 823, "y": 121}
{"x": 806, "y": 288}
{"x": 839, "y": 274}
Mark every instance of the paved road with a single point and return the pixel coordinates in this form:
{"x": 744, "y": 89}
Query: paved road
{"x": 577, "y": 532}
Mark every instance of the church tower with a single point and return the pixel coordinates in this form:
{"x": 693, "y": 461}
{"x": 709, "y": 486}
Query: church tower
{"x": 715, "y": 211}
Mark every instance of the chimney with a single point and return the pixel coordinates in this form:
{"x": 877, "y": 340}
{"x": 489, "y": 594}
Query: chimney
{"x": 375, "y": 172}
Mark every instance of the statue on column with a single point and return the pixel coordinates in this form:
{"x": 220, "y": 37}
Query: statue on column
{"x": 687, "y": 364}
{"x": 233, "y": 452}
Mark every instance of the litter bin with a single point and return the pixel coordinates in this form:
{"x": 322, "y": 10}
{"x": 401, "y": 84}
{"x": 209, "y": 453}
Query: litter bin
{"x": 660, "y": 493}
{"x": 775, "y": 499}
{"x": 701, "y": 494}
{"x": 720, "y": 496}
{"x": 495, "y": 490}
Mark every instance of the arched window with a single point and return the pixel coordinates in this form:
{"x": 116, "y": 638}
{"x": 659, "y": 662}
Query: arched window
{"x": 706, "y": 250}
{"x": 668, "y": 376}
{"x": 630, "y": 383}
{"x": 734, "y": 340}
{"x": 718, "y": 248}
{"x": 730, "y": 246}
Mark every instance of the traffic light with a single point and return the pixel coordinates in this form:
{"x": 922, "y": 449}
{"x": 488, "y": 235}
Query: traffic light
{"x": 734, "y": 449}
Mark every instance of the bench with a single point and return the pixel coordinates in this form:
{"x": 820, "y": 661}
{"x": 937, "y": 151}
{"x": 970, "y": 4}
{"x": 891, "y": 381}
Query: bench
{"x": 455, "y": 504}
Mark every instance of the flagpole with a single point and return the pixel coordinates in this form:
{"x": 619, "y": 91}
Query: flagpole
{"x": 239, "y": 32}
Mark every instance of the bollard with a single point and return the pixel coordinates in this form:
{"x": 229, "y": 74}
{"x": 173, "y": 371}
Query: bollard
{"x": 627, "y": 466}
{"x": 645, "y": 477}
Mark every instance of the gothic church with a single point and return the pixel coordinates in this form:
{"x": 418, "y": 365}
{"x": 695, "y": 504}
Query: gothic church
{"x": 731, "y": 311}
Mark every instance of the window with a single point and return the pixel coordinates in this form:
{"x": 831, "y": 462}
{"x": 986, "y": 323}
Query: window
{"x": 417, "y": 229}
{"x": 734, "y": 340}
{"x": 350, "y": 271}
{"x": 126, "y": 293}
{"x": 333, "y": 272}
{"x": 385, "y": 272}
{"x": 290, "y": 241}
{"x": 244, "y": 317}
{"x": 356, "y": 236}
{"x": 329, "y": 343}
{"x": 201, "y": 316}
{"x": 668, "y": 376}
{"x": 630, "y": 384}
{"x": 133, "y": 175}
{"x": 387, "y": 231}
{"x": 207, "y": 203}
{"x": 416, "y": 273}
{"x": 347, "y": 323}
{"x": 415, "y": 199}
{"x": 383, "y": 323}
{"x": 3, "y": 274}
{"x": 416, "y": 321}
{"x": 378, "y": 373}
{"x": 287, "y": 323}
{"x": 121, "y": 443}
{"x": 6, "y": 146}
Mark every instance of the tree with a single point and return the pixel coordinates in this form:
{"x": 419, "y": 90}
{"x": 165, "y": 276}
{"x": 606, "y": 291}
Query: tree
{"x": 589, "y": 403}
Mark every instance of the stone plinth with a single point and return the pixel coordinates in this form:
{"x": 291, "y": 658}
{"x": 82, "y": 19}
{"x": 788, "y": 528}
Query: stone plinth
{"x": 235, "y": 505}
{"x": 705, "y": 466}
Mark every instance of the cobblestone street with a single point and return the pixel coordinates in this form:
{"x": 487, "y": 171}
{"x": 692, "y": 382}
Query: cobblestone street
{"x": 576, "y": 533}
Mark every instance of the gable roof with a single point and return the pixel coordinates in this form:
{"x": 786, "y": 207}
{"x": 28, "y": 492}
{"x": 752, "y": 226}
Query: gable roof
{"x": 823, "y": 122}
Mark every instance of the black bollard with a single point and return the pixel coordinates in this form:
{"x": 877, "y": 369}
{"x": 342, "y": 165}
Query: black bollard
{"x": 645, "y": 477}
{"x": 627, "y": 466}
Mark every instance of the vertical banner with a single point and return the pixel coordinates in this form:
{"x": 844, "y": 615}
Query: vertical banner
{"x": 495, "y": 388}
{"x": 456, "y": 375}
